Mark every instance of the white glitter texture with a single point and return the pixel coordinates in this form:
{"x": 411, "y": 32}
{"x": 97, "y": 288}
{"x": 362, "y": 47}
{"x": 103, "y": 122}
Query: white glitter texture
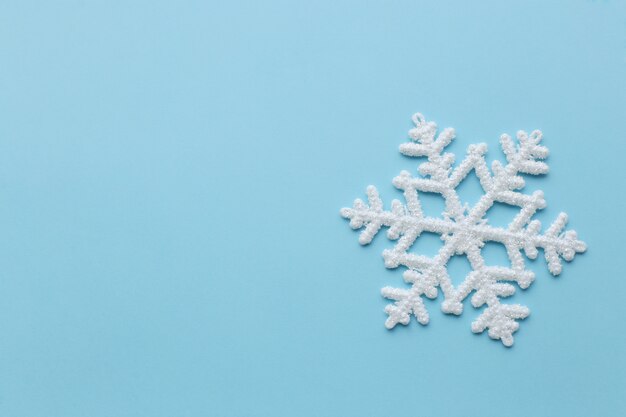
{"x": 464, "y": 230}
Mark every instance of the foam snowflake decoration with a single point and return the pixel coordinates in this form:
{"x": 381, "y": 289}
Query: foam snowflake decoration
{"x": 465, "y": 230}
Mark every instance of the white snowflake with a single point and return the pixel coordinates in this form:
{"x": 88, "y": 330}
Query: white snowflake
{"x": 464, "y": 230}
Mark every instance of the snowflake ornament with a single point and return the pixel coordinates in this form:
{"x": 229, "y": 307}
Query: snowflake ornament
{"x": 464, "y": 230}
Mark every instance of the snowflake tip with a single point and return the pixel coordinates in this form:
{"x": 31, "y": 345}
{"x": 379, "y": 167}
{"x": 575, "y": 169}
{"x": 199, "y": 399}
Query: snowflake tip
{"x": 418, "y": 119}
{"x": 452, "y": 307}
{"x": 477, "y": 149}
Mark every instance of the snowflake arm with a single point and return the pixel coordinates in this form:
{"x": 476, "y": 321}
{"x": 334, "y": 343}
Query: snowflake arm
{"x": 464, "y": 230}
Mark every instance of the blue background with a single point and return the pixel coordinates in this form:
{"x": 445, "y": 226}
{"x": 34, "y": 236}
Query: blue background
{"x": 170, "y": 180}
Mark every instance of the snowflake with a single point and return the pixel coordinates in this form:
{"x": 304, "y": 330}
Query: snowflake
{"x": 464, "y": 230}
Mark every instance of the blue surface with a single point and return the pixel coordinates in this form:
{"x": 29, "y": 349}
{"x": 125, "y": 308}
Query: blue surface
{"x": 170, "y": 180}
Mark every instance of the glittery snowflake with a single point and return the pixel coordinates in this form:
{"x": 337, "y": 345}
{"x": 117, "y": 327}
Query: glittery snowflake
{"x": 464, "y": 230}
